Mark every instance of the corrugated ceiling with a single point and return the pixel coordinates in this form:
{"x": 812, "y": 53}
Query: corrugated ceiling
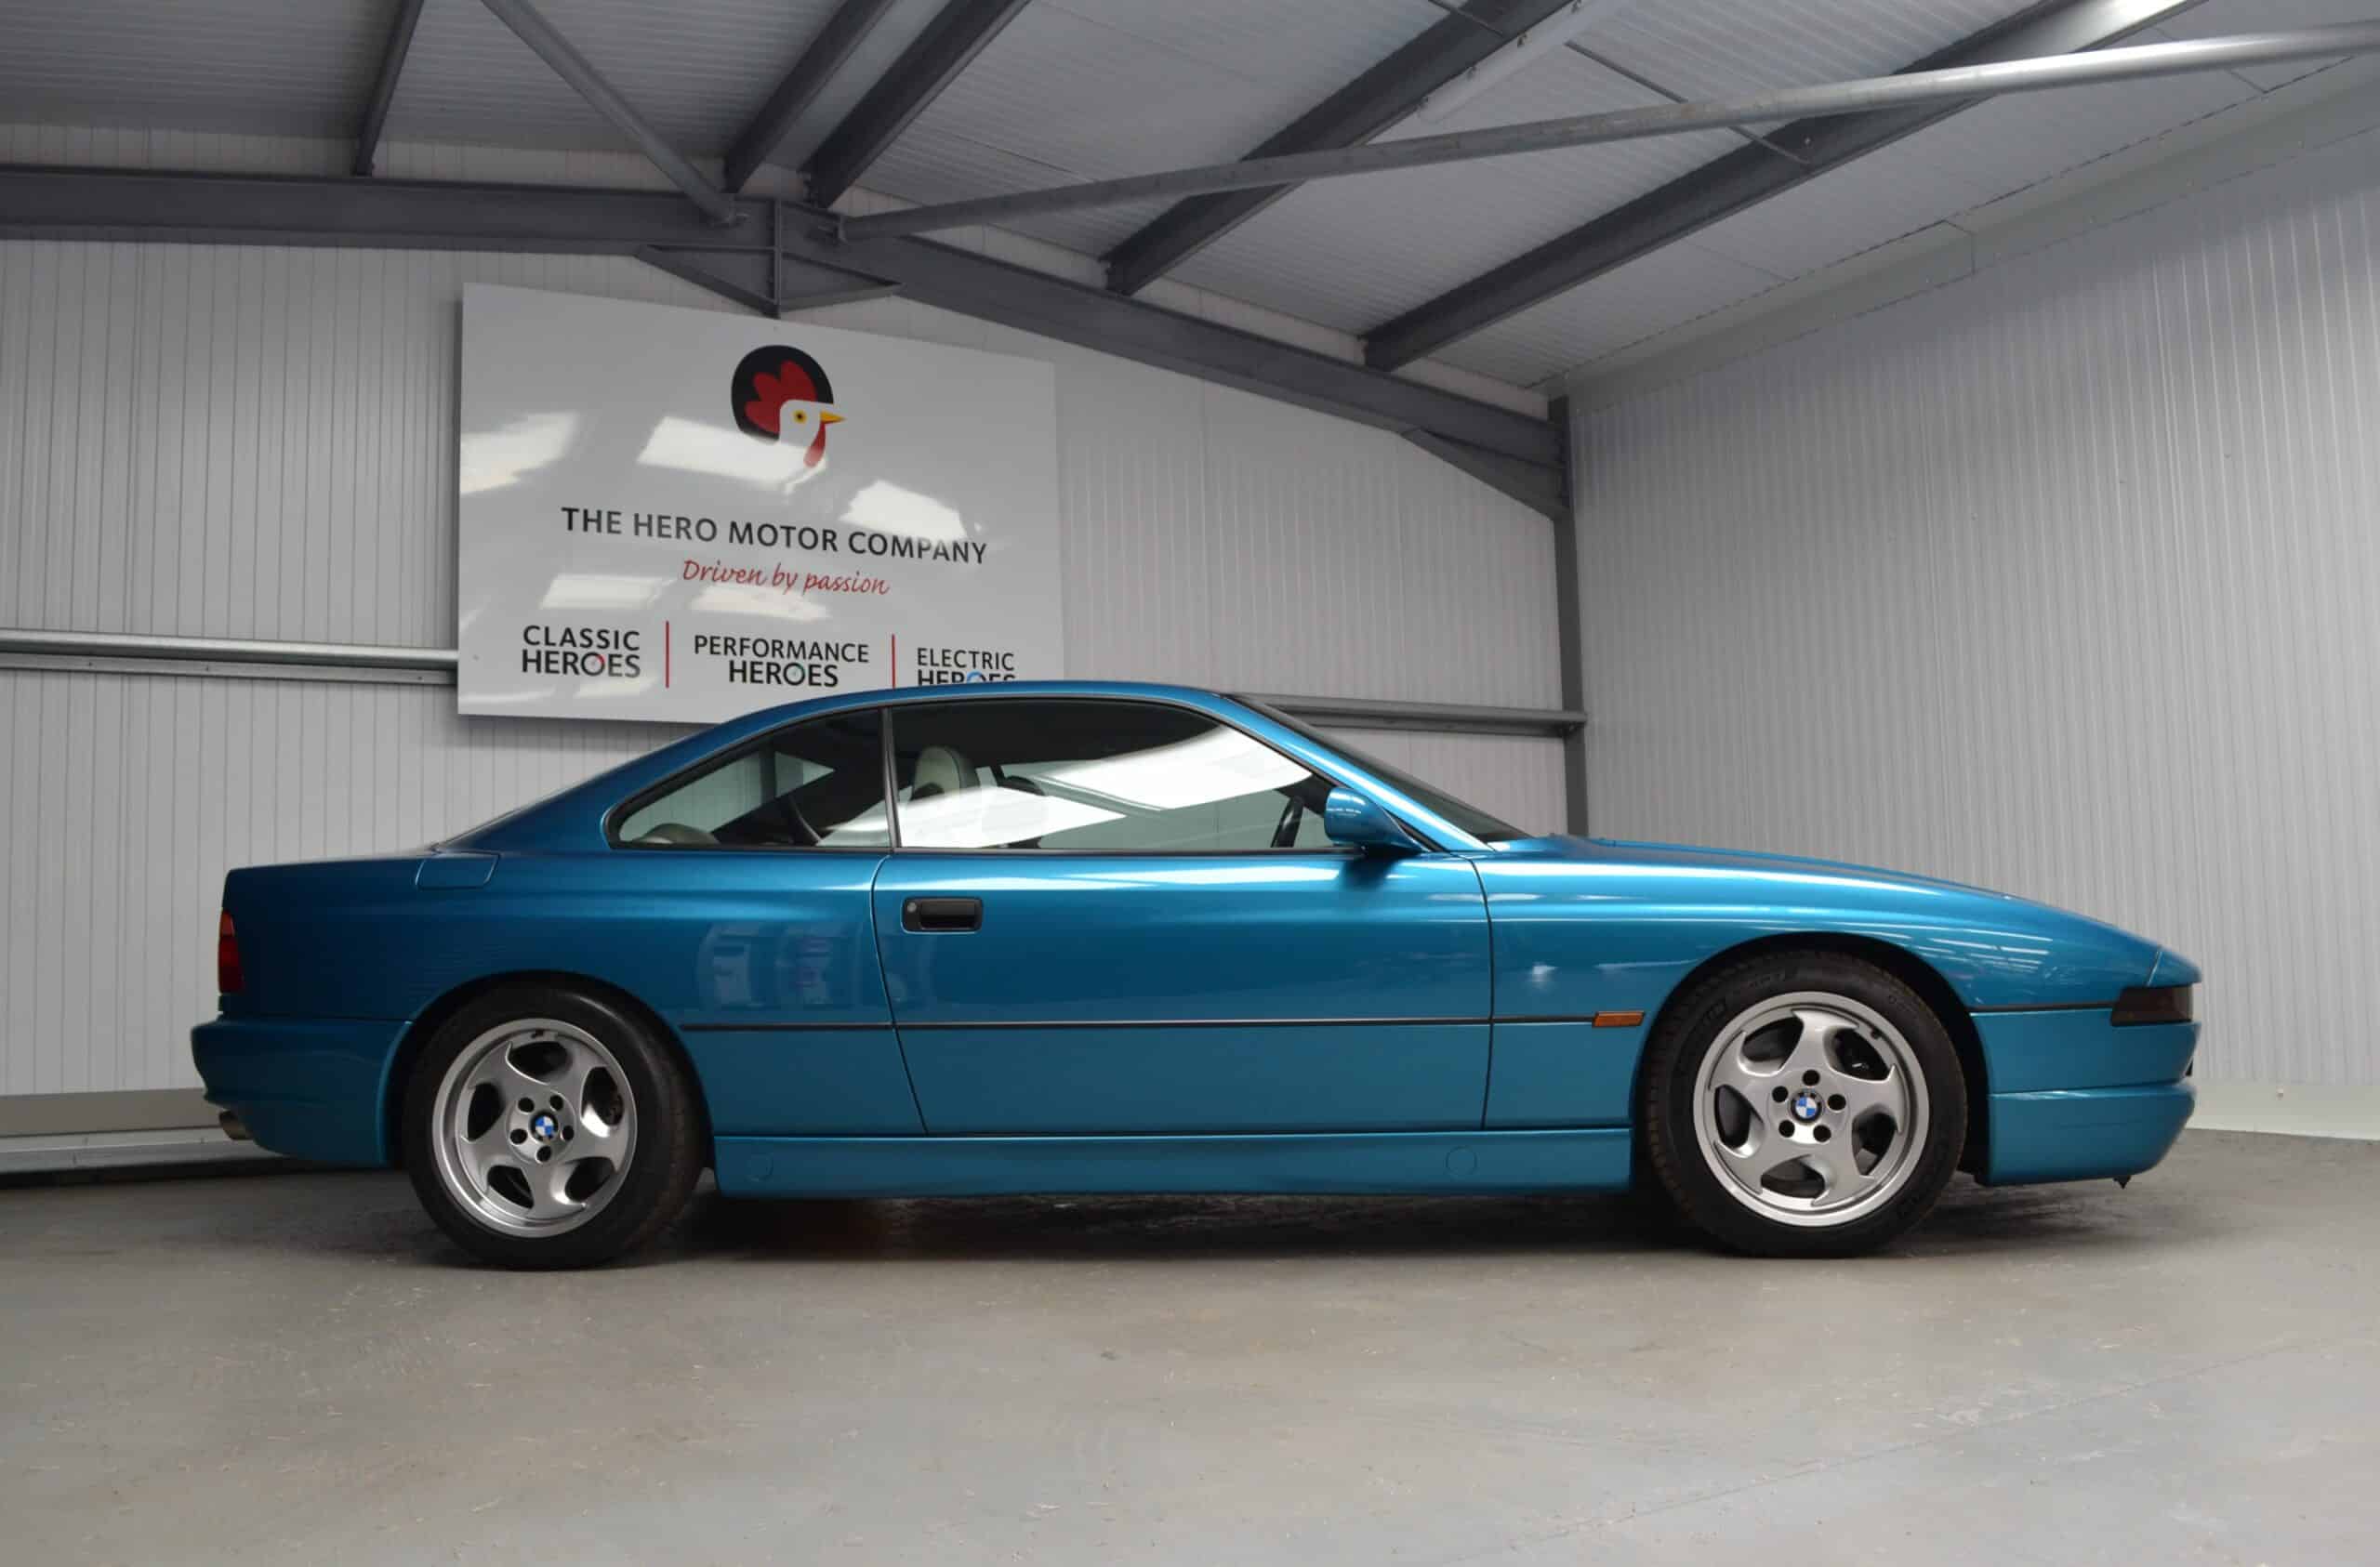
{"x": 696, "y": 71}
{"x": 1076, "y": 89}
{"x": 1091, "y": 89}
{"x": 267, "y": 67}
{"x": 1352, "y": 253}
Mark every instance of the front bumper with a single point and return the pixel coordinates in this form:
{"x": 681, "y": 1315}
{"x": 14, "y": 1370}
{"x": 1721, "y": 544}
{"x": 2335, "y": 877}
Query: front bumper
{"x": 311, "y": 1087}
{"x": 2084, "y": 1133}
{"x": 2074, "y": 1098}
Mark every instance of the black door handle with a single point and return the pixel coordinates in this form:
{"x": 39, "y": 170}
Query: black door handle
{"x": 942, "y": 913}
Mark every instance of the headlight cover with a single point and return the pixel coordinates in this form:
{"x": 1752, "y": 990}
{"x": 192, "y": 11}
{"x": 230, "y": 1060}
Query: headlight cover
{"x": 2154, "y": 1004}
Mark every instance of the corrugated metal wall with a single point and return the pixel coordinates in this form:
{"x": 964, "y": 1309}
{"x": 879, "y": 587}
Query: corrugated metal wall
{"x": 130, "y": 795}
{"x": 259, "y": 442}
{"x": 2059, "y": 579}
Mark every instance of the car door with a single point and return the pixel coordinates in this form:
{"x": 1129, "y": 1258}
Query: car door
{"x": 1123, "y": 916}
{"x": 737, "y": 901}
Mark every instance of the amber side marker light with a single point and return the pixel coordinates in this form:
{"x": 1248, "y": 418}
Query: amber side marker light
{"x": 2157, "y": 1004}
{"x": 1619, "y": 1019}
{"x": 228, "y": 978}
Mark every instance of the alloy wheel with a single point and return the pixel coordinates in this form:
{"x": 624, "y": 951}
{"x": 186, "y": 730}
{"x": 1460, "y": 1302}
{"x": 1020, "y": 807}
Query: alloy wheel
{"x": 535, "y": 1127}
{"x": 1811, "y": 1109}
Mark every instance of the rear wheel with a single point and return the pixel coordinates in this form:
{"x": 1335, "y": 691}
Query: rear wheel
{"x": 545, "y": 1128}
{"x": 1803, "y": 1104}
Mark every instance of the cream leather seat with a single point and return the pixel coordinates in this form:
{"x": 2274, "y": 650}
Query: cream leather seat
{"x": 941, "y": 771}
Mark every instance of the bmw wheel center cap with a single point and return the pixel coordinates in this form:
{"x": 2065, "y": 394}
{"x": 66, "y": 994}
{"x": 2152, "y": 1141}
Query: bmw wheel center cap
{"x": 1806, "y": 1106}
{"x": 542, "y": 1127}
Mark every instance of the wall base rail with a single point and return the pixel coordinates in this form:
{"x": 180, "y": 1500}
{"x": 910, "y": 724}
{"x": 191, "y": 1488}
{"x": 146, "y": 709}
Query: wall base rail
{"x": 124, "y": 652}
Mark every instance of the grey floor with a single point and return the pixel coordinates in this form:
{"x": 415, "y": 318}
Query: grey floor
{"x": 296, "y": 1368}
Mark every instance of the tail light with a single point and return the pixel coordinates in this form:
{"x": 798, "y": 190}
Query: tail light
{"x": 228, "y": 978}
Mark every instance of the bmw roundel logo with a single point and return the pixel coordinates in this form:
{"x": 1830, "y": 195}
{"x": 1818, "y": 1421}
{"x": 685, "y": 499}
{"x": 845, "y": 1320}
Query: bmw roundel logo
{"x": 1805, "y": 1107}
{"x": 542, "y": 1127}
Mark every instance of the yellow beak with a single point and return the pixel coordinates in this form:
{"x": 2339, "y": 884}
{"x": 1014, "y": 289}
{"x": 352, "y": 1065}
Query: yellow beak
{"x": 826, "y": 418}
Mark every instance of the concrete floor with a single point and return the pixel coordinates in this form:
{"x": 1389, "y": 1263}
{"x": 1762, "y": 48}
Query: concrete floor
{"x": 297, "y": 1368}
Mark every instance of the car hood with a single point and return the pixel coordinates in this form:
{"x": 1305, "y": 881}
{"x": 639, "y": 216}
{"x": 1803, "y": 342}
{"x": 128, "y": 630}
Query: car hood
{"x": 1995, "y": 950}
{"x": 1691, "y": 858}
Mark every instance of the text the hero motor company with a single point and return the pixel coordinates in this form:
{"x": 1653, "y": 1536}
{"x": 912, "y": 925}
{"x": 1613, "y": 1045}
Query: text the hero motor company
{"x": 679, "y": 515}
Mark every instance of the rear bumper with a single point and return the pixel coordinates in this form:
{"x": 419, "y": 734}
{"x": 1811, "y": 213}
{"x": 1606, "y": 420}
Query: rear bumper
{"x": 306, "y": 1087}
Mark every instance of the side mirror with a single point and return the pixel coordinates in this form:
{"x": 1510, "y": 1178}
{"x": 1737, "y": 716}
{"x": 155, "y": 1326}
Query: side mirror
{"x": 1351, "y": 818}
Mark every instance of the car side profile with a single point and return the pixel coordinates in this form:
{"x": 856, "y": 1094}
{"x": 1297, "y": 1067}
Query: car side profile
{"x": 1073, "y": 937}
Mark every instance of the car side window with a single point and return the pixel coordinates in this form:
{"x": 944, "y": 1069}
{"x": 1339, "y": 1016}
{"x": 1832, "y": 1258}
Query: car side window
{"x": 1124, "y": 776}
{"x": 811, "y": 785}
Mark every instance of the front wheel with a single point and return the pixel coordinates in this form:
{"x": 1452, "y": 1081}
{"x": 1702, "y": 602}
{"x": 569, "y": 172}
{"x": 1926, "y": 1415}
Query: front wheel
{"x": 546, "y": 1128}
{"x": 1803, "y": 1104}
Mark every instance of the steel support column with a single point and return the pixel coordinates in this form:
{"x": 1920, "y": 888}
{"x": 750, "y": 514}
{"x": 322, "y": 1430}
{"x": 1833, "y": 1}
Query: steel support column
{"x": 1570, "y": 628}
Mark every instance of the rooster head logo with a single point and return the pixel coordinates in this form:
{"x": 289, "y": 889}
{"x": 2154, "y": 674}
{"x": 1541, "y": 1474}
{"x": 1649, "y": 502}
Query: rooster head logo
{"x": 780, "y": 393}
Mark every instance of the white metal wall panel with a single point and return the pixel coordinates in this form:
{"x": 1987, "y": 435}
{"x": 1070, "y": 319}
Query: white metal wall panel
{"x": 2057, "y": 579}
{"x": 147, "y": 788}
{"x": 1516, "y": 777}
{"x": 259, "y": 442}
{"x": 219, "y": 442}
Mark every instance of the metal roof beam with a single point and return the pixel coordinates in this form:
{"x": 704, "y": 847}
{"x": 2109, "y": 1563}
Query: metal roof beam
{"x": 1357, "y": 112}
{"x": 383, "y": 86}
{"x": 1093, "y": 318}
{"x": 845, "y": 32}
{"x": 265, "y": 209}
{"x": 1746, "y": 178}
{"x": 1534, "y": 486}
{"x": 856, "y": 291}
{"x": 550, "y": 45}
{"x": 1934, "y": 90}
{"x": 947, "y": 46}
{"x": 739, "y": 277}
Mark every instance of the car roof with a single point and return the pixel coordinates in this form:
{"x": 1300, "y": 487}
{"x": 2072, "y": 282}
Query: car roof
{"x": 979, "y": 689}
{"x": 574, "y": 817}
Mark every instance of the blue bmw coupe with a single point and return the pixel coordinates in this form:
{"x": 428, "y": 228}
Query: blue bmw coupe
{"x": 1101, "y": 938}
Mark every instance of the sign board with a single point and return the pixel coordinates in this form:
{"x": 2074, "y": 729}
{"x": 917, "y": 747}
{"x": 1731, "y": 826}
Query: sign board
{"x": 680, "y": 516}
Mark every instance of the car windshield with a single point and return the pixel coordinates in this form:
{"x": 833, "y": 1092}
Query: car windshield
{"x": 1469, "y": 818}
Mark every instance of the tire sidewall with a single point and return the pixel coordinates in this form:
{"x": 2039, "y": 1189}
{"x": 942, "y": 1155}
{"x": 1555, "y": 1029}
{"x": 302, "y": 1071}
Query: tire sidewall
{"x": 1689, "y": 1030}
{"x": 658, "y": 1179}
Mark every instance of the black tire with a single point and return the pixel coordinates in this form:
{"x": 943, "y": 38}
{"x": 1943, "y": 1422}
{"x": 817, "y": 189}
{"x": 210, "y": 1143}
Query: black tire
{"x": 659, "y": 1175}
{"x": 1689, "y": 1031}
